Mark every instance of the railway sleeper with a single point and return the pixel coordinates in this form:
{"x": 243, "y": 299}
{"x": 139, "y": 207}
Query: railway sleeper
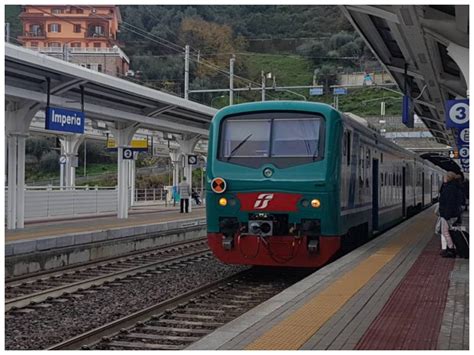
{"x": 141, "y": 346}
{"x": 160, "y": 337}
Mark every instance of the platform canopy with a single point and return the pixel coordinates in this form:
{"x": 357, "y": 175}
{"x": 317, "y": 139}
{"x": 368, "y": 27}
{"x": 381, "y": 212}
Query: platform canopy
{"x": 433, "y": 40}
{"x": 106, "y": 98}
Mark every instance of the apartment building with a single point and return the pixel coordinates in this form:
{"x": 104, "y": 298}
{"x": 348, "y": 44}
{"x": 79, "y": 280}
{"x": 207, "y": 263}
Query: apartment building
{"x": 81, "y": 34}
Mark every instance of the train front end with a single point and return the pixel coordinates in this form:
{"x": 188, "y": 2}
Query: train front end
{"x": 273, "y": 184}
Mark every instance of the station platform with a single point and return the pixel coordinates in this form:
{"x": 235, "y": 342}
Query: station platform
{"x": 395, "y": 292}
{"x": 139, "y": 217}
{"x": 47, "y": 245}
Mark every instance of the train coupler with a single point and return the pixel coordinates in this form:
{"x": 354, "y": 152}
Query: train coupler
{"x": 228, "y": 242}
{"x": 313, "y": 245}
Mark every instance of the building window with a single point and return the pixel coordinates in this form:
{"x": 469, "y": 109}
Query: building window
{"x": 57, "y": 11}
{"x": 54, "y": 44}
{"x": 34, "y": 44}
{"x": 97, "y": 44}
{"x": 99, "y": 67}
{"x": 88, "y": 66}
{"x": 54, "y": 27}
{"x": 77, "y": 28}
{"x": 76, "y": 10}
{"x": 36, "y": 30}
{"x": 76, "y": 44}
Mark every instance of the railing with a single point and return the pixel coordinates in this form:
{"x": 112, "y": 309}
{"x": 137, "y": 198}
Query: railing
{"x": 158, "y": 196}
{"x": 36, "y": 34}
{"x": 96, "y": 35}
{"x": 77, "y": 50}
{"x": 52, "y": 201}
{"x": 150, "y": 195}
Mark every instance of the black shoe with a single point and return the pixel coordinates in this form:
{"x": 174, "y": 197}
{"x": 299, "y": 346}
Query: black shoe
{"x": 450, "y": 253}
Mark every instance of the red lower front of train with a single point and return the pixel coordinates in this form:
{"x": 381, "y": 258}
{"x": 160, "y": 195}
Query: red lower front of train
{"x": 283, "y": 251}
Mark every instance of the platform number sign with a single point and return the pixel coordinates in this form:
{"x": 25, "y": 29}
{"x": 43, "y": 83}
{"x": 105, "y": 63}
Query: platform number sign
{"x": 127, "y": 153}
{"x": 464, "y": 152}
{"x": 457, "y": 114}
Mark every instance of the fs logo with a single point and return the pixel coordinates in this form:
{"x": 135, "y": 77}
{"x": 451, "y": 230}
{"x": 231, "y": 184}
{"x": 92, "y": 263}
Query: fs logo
{"x": 262, "y": 201}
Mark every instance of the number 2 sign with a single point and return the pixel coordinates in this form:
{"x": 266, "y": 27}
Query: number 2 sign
{"x": 457, "y": 113}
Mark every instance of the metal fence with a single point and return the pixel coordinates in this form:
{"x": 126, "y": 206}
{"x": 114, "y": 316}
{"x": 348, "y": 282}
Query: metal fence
{"x": 52, "y": 201}
{"x": 150, "y": 195}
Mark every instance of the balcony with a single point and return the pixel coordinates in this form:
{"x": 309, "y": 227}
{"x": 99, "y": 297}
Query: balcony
{"x": 92, "y": 34}
{"x": 35, "y": 35}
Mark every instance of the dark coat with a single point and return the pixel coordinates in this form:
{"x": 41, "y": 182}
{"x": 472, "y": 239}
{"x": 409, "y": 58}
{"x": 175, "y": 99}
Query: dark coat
{"x": 450, "y": 200}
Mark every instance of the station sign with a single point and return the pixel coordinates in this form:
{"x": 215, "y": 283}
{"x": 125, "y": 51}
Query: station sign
{"x": 463, "y": 138}
{"x": 127, "y": 154}
{"x": 60, "y": 119}
{"x": 464, "y": 152}
{"x": 138, "y": 145}
{"x": 457, "y": 113}
{"x": 339, "y": 91}
{"x": 316, "y": 91}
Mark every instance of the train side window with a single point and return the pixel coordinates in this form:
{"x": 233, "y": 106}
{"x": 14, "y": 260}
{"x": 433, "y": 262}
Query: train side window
{"x": 381, "y": 158}
{"x": 368, "y": 158}
{"x": 344, "y": 144}
{"x": 348, "y": 157}
{"x": 381, "y": 179}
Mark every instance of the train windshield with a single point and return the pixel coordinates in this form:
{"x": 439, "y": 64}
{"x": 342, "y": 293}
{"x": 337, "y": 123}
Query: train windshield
{"x": 247, "y": 138}
{"x": 295, "y": 137}
{"x": 284, "y": 137}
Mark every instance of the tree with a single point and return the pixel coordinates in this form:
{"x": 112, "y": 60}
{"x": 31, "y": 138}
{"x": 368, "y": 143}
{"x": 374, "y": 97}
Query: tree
{"x": 211, "y": 39}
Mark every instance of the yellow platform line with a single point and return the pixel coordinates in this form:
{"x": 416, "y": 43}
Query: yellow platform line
{"x": 292, "y": 332}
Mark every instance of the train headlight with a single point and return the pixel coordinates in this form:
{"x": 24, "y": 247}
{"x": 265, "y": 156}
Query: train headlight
{"x": 315, "y": 203}
{"x": 223, "y": 201}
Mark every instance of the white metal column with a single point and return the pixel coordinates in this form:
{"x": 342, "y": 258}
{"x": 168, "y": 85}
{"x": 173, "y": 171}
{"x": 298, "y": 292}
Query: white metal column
{"x": 70, "y": 147}
{"x": 18, "y": 116}
{"x": 12, "y": 163}
{"x": 132, "y": 175}
{"x": 187, "y": 145}
{"x": 461, "y": 56}
{"x": 123, "y": 134}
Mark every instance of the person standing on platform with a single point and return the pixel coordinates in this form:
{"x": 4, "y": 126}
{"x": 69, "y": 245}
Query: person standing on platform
{"x": 449, "y": 210}
{"x": 185, "y": 193}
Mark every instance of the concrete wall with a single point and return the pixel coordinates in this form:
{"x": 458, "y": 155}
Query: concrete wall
{"x": 44, "y": 254}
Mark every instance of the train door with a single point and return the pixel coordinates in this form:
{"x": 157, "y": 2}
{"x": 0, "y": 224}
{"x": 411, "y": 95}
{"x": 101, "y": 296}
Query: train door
{"x": 422, "y": 189}
{"x": 404, "y": 192}
{"x": 375, "y": 194}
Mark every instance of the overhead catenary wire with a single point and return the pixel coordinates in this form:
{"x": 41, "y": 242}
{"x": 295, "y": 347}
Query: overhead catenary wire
{"x": 178, "y": 48}
{"x": 154, "y": 38}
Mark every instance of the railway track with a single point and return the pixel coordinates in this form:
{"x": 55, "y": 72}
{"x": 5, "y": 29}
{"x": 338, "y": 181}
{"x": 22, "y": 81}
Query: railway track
{"x": 34, "y": 289}
{"x": 178, "y": 322}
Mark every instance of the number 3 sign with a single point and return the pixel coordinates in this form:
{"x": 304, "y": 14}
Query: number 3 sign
{"x": 457, "y": 114}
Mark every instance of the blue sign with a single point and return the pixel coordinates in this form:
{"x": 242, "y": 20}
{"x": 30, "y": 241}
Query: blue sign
{"x": 463, "y": 137}
{"x": 60, "y": 119}
{"x": 339, "y": 91}
{"x": 407, "y": 113}
{"x": 464, "y": 152}
{"x": 457, "y": 113}
{"x": 316, "y": 91}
